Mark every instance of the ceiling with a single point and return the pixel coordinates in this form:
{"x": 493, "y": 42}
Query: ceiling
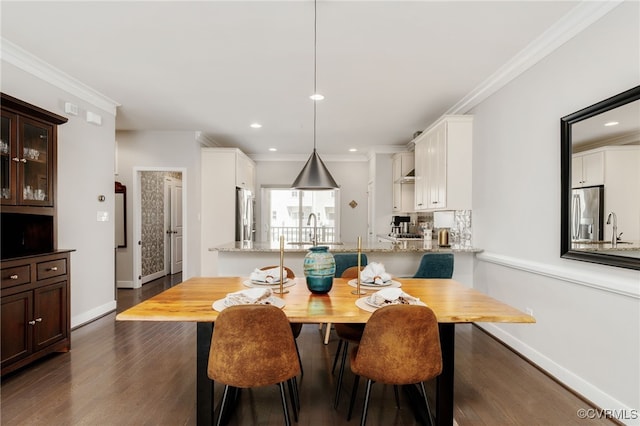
{"x": 386, "y": 68}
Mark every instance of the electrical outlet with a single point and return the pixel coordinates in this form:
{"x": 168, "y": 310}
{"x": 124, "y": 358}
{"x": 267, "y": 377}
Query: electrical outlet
{"x": 529, "y": 311}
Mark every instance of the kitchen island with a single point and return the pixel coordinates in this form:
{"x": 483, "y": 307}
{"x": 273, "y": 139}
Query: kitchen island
{"x": 401, "y": 259}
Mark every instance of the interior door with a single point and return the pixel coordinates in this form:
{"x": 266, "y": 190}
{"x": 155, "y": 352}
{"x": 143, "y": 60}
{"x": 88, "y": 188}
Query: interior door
{"x": 176, "y": 227}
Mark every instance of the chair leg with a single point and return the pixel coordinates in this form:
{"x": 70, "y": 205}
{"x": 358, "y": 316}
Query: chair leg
{"x": 225, "y": 394}
{"x": 327, "y": 332}
{"x": 426, "y": 403}
{"x": 335, "y": 359}
{"x": 296, "y": 388}
{"x": 299, "y": 358}
{"x": 395, "y": 391}
{"x": 294, "y": 399}
{"x": 345, "y": 348}
{"x": 283, "y": 397}
{"x": 363, "y": 421}
{"x": 354, "y": 392}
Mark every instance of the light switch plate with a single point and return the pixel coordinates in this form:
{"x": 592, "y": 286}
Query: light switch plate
{"x": 103, "y": 217}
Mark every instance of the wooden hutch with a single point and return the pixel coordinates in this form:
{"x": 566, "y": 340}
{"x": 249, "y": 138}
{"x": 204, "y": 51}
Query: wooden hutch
{"x": 35, "y": 291}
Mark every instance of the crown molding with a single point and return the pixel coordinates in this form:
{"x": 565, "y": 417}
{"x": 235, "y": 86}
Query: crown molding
{"x": 571, "y": 24}
{"x": 17, "y": 56}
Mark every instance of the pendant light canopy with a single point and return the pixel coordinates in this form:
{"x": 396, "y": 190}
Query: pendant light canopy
{"x": 314, "y": 174}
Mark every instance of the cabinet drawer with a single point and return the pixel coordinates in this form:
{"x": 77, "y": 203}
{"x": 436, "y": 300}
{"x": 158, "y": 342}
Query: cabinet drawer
{"x": 16, "y": 275}
{"x": 52, "y": 268}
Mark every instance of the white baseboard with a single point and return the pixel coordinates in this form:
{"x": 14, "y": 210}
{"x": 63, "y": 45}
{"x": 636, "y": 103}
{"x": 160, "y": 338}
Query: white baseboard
{"x": 92, "y": 314}
{"x": 564, "y": 376}
{"x": 124, "y": 284}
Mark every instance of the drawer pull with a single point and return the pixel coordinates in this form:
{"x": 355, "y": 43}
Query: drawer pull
{"x": 55, "y": 268}
{"x": 14, "y": 277}
{"x": 39, "y": 319}
{"x": 32, "y": 323}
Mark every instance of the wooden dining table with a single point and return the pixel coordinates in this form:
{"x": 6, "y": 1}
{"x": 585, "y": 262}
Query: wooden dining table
{"x": 451, "y": 301}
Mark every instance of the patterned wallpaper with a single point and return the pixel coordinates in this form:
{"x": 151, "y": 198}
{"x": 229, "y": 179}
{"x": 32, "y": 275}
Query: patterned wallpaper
{"x": 152, "y": 223}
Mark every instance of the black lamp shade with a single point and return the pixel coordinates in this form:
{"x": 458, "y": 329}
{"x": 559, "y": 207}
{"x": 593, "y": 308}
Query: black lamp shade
{"x": 314, "y": 175}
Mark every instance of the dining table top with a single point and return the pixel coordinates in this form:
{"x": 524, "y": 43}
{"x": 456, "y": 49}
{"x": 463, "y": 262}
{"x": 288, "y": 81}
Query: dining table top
{"x": 452, "y": 302}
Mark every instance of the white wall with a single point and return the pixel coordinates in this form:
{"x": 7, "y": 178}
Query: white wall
{"x": 352, "y": 177}
{"x": 85, "y": 171}
{"x": 588, "y": 315}
{"x": 166, "y": 150}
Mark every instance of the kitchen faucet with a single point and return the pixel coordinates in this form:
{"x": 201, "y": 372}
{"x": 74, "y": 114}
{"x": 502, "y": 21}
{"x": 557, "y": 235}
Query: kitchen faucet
{"x": 314, "y": 239}
{"x": 614, "y": 235}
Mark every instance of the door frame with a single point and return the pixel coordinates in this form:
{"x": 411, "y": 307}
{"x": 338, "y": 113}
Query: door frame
{"x": 137, "y": 225}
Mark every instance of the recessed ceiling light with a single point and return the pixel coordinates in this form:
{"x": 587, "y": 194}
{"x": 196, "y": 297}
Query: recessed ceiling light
{"x": 273, "y": 149}
{"x": 316, "y": 97}
{"x": 352, "y": 149}
{"x": 256, "y": 125}
{"x": 611, "y": 123}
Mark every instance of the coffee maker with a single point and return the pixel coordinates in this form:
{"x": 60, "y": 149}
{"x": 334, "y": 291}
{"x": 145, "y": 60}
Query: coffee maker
{"x": 399, "y": 225}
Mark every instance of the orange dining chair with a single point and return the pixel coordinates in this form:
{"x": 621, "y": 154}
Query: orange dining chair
{"x": 347, "y": 333}
{"x": 296, "y": 328}
{"x": 343, "y": 261}
{"x": 400, "y": 345}
{"x": 252, "y": 346}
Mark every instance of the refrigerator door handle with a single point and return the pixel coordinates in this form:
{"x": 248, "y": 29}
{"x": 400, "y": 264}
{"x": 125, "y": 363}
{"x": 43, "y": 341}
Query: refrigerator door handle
{"x": 576, "y": 217}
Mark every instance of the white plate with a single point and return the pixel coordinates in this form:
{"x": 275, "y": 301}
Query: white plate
{"x": 364, "y": 304}
{"x": 261, "y": 284}
{"x": 220, "y": 304}
{"x": 371, "y": 286}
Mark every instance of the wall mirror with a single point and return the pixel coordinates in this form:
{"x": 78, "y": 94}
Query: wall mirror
{"x": 600, "y": 178}
{"x": 120, "y": 215}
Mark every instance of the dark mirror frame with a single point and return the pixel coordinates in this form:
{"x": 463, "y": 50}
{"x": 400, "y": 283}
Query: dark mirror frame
{"x": 121, "y": 234}
{"x": 566, "y": 152}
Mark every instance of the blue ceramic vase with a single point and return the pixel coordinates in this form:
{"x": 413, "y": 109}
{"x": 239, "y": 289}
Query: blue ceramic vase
{"x": 319, "y": 269}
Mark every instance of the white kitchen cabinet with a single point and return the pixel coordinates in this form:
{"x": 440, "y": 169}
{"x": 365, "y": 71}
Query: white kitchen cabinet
{"x": 587, "y": 169}
{"x": 420, "y": 187}
{"x": 622, "y": 190}
{"x": 443, "y": 165}
{"x": 403, "y": 190}
{"x": 219, "y": 178}
{"x": 245, "y": 172}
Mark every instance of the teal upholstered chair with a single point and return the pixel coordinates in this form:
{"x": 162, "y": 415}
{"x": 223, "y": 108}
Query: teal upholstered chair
{"x": 346, "y": 260}
{"x": 435, "y": 265}
{"x": 343, "y": 261}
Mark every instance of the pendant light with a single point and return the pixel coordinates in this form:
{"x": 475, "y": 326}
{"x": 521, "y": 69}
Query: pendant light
{"x": 314, "y": 174}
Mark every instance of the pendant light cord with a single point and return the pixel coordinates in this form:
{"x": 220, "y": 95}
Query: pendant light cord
{"x": 315, "y": 66}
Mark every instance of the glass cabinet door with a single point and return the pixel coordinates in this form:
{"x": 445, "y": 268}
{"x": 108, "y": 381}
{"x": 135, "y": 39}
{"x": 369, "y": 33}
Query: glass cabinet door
{"x": 35, "y": 169}
{"x": 7, "y": 165}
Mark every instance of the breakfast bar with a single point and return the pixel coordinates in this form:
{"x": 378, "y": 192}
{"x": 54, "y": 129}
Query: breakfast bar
{"x": 401, "y": 259}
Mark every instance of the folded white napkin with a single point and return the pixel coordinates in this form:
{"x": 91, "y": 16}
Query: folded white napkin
{"x": 374, "y": 273}
{"x": 251, "y": 296}
{"x": 392, "y": 296}
{"x": 269, "y": 275}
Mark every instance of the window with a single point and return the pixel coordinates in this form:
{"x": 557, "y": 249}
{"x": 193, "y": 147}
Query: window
{"x": 290, "y": 211}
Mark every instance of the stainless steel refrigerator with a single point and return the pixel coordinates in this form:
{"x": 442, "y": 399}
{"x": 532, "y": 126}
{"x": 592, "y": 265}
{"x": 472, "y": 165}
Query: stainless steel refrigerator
{"x": 587, "y": 213}
{"x": 245, "y": 219}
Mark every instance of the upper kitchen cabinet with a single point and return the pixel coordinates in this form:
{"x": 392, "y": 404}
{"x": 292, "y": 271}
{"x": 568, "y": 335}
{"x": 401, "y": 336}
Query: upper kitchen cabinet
{"x": 245, "y": 172}
{"x": 403, "y": 182}
{"x": 587, "y": 169}
{"x": 28, "y": 156}
{"x": 443, "y": 165}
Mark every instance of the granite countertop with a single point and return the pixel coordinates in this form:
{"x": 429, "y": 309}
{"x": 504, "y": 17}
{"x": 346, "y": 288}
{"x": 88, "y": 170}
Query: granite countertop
{"x": 402, "y": 246}
{"x": 606, "y": 246}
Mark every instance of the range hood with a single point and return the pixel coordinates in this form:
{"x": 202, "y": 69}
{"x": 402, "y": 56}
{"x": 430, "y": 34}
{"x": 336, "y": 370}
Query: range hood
{"x": 408, "y": 178}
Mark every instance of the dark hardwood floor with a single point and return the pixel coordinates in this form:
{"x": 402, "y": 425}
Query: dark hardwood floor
{"x": 136, "y": 373}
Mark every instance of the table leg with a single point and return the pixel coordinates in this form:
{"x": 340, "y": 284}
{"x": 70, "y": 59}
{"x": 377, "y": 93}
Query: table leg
{"x": 204, "y": 385}
{"x": 444, "y": 382}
